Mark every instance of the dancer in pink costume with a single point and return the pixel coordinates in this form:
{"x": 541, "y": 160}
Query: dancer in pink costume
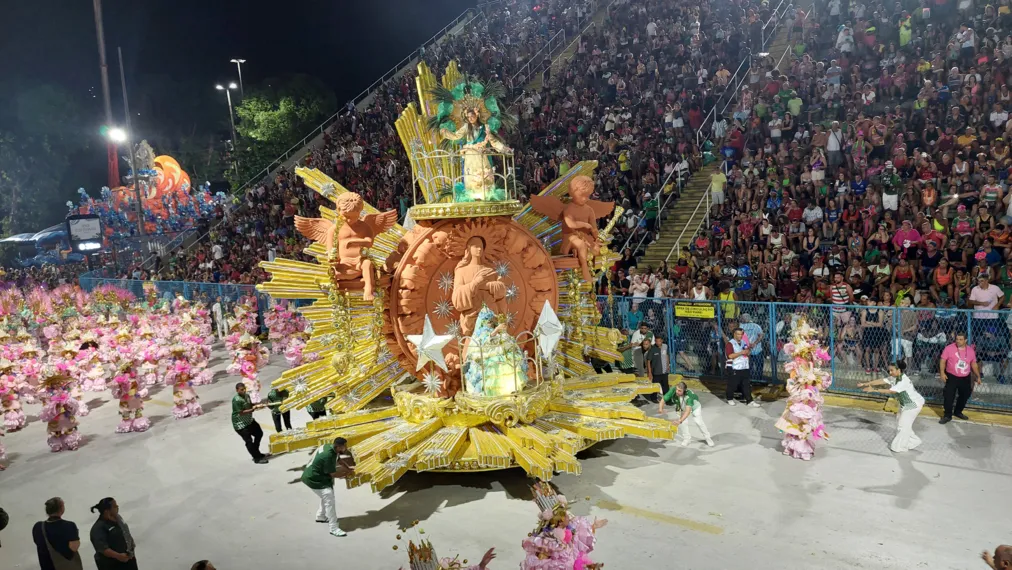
{"x": 149, "y": 356}
{"x": 562, "y": 541}
{"x": 187, "y": 404}
{"x": 68, "y": 355}
{"x": 89, "y": 363}
{"x": 801, "y": 422}
{"x": 60, "y": 411}
{"x": 10, "y": 388}
{"x": 130, "y": 393}
{"x": 196, "y": 353}
{"x": 247, "y": 361}
{"x": 28, "y": 371}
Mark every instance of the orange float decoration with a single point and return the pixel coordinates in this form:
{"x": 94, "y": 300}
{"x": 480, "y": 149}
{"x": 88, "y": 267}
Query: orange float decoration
{"x": 164, "y": 186}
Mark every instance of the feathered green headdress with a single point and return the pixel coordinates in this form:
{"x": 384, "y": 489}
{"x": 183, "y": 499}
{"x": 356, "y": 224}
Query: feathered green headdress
{"x": 471, "y": 94}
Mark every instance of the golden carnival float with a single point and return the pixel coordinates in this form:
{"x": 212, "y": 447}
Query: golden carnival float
{"x": 461, "y": 340}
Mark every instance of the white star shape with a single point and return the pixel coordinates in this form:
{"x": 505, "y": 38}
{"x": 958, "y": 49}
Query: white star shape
{"x": 429, "y": 346}
{"x": 445, "y": 282}
{"x": 432, "y": 383}
{"x": 512, "y": 291}
{"x": 443, "y": 308}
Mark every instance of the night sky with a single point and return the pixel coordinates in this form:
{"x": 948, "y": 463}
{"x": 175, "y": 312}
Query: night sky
{"x": 347, "y": 44}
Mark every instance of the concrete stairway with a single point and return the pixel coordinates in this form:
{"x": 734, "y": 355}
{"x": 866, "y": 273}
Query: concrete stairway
{"x": 679, "y": 215}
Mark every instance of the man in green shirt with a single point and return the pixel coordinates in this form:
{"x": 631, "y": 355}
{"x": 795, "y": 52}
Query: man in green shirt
{"x": 274, "y": 399}
{"x": 687, "y": 403}
{"x": 319, "y": 476}
{"x": 244, "y": 424}
{"x": 318, "y": 409}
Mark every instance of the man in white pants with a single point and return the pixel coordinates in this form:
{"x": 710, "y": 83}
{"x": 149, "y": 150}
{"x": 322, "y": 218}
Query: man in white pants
{"x": 899, "y": 384}
{"x": 687, "y": 403}
{"x": 219, "y": 318}
{"x": 319, "y": 476}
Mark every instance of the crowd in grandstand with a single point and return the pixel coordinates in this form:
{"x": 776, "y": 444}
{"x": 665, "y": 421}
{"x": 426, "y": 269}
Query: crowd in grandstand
{"x": 631, "y": 97}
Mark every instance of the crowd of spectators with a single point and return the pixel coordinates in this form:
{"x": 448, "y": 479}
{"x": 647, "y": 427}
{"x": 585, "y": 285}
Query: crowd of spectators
{"x": 872, "y": 172}
{"x": 632, "y": 97}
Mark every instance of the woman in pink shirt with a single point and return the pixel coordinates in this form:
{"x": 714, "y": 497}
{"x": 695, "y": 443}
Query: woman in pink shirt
{"x": 906, "y": 239}
{"x": 957, "y": 367}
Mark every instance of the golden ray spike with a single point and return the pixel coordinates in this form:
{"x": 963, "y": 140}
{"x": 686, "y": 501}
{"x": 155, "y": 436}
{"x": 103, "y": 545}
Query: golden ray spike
{"x": 424, "y": 83}
{"x": 568, "y": 441}
{"x": 442, "y": 449}
{"x": 535, "y": 464}
{"x": 391, "y": 470}
{"x": 492, "y": 449}
{"x": 566, "y": 463}
{"x": 352, "y": 419}
{"x": 403, "y": 436}
{"x": 594, "y": 429}
{"x": 648, "y": 428}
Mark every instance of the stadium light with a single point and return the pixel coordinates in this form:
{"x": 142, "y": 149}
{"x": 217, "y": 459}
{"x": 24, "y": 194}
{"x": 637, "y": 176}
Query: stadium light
{"x": 117, "y": 135}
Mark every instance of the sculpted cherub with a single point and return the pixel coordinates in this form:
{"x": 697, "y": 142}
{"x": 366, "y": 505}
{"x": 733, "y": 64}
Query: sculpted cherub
{"x": 357, "y": 232}
{"x": 579, "y": 220}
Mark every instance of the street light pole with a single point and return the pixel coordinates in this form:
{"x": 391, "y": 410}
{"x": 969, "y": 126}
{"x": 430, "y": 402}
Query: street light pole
{"x": 130, "y": 145}
{"x": 231, "y": 120}
{"x": 103, "y": 65}
{"x": 238, "y": 63}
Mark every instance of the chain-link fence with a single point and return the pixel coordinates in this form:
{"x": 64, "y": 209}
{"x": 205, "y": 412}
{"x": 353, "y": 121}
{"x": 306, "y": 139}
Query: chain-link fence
{"x": 862, "y": 340}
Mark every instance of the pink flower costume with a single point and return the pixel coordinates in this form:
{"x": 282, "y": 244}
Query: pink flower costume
{"x": 68, "y": 356}
{"x": 14, "y": 417}
{"x": 801, "y": 422}
{"x": 29, "y": 372}
{"x": 247, "y": 361}
{"x": 89, "y": 363}
{"x": 131, "y": 394}
{"x": 562, "y": 541}
{"x": 60, "y": 411}
{"x": 187, "y": 404}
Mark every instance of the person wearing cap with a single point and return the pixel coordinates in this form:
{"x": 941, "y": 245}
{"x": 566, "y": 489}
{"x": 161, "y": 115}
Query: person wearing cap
{"x": 890, "y": 188}
{"x": 906, "y": 239}
{"x": 754, "y": 334}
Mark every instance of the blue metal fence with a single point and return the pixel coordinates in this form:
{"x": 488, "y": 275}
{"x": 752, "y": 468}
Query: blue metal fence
{"x": 862, "y": 340}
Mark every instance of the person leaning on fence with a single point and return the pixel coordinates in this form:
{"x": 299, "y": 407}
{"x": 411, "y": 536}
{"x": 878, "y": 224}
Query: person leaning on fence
{"x": 958, "y": 368}
{"x": 737, "y": 351}
{"x": 687, "y": 403}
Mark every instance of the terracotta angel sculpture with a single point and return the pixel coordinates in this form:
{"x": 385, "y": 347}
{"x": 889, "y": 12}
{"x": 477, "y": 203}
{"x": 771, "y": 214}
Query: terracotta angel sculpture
{"x": 357, "y": 232}
{"x": 579, "y": 220}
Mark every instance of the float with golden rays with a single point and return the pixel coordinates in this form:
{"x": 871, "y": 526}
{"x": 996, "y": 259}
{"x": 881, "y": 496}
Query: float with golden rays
{"x": 461, "y": 342}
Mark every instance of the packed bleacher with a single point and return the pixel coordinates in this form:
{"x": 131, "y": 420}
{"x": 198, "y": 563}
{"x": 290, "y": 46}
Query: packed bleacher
{"x": 631, "y": 97}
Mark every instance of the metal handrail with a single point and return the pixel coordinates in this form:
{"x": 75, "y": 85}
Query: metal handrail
{"x": 677, "y": 247}
{"x": 765, "y": 39}
{"x": 659, "y": 210}
{"x": 398, "y": 68}
{"x": 705, "y": 199}
{"x": 538, "y": 58}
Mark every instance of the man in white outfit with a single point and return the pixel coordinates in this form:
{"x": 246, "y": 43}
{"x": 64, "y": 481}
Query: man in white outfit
{"x": 687, "y": 403}
{"x": 219, "y": 318}
{"x": 899, "y": 384}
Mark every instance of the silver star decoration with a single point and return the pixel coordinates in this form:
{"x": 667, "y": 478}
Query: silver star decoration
{"x": 301, "y": 385}
{"x": 443, "y": 309}
{"x": 502, "y": 268}
{"x": 328, "y": 190}
{"x": 509, "y": 317}
{"x": 512, "y": 291}
{"x": 547, "y": 241}
{"x": 432, "y": 383}
{"x": 453, "y": 329}
{"x": 445, "y": 282}
{"x": 429, "y": 346}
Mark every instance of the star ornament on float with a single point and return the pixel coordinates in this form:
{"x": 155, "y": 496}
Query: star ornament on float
{"x": 549, "y": 330}
{"x": 429, "y": 346}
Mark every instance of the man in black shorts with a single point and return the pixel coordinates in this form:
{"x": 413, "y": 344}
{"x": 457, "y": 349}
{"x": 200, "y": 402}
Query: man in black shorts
{"x": 57, "y": 540}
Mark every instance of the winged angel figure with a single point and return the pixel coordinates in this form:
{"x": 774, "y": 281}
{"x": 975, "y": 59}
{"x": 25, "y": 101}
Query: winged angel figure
{"x": 579, "y": 220}
{"x": 352, "y": 236}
